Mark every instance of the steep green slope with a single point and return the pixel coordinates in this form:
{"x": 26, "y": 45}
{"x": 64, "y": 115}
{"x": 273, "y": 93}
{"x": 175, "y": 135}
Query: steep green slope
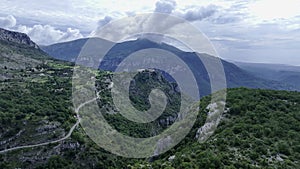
{"x": 36, "y": 108}
{"x": 140, "y": 88}
{"x": 260, "y": 130}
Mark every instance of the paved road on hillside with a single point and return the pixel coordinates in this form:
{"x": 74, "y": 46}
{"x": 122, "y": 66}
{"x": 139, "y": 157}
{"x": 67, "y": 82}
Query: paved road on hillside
{"x": 54, "y": 141}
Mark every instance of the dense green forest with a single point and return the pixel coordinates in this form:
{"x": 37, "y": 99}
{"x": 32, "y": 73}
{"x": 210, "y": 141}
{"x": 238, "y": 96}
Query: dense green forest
{"x": 260, "y": 129}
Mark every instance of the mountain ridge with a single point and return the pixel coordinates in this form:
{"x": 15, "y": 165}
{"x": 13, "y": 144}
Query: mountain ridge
{"x": 18, "y": 53}
{"x": 17, "y": 37}
{"x": 279, "y": 72}
{"x": 236, "y": 77}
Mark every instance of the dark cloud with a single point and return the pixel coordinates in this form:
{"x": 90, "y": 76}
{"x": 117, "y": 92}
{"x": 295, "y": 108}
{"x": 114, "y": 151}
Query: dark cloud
{"x": 104, "y": 21}
{"x": 199, "y": 13}
{"x": 223, "y": 19}
{"x": 8, "y": 22}
{"x": 165, "y": 6}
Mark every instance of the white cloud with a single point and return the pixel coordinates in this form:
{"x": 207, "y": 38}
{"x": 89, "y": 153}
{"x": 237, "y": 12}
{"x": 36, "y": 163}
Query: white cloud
{"x": 224, "y": 38}
{"x": 8, "y": 22}
{"x": 199, "y": 13}
{"x": 71, "y": 34}
{"x": 270, "y": 9}
{"x": 235, "y": 24}
{"x": 46, "y": 34}
{"x": 104, "y": 21}
{"x": 165, "y": 6}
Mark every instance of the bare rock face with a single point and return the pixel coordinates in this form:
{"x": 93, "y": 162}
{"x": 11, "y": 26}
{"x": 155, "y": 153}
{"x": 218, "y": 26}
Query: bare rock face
{"x": 16, "y": 37}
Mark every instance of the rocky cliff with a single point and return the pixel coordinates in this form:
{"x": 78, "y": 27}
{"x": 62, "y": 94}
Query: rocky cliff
{"x": 16, "y": 37}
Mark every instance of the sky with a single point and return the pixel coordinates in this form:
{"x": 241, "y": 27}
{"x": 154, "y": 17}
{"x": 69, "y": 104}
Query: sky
{"x": 260, "y": 31}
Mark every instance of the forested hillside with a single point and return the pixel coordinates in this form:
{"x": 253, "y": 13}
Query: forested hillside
{"x": 39, "y": 126}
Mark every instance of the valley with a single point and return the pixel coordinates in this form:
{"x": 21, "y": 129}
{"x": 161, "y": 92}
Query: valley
{"x": 39, "y": 127}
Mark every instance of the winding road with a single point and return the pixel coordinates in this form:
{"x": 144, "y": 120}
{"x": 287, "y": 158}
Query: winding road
{"x": 54, "y": 141}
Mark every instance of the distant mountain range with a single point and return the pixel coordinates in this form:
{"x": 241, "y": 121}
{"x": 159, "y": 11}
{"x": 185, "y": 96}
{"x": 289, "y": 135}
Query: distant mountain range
{"x": 235, "y": 76}
{"x": 68, "y": 51}
{"x": 278, "y": 72}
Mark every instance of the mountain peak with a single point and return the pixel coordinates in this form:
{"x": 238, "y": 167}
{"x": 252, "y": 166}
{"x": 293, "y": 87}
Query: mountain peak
{"x": 16, "y": 37}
